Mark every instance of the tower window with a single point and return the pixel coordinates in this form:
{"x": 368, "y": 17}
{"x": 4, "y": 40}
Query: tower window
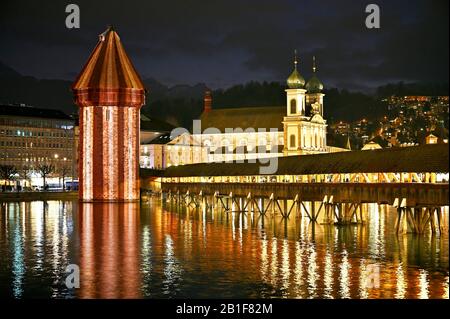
{"x": 292, "y": 140}
{"x": 293, "y": 106}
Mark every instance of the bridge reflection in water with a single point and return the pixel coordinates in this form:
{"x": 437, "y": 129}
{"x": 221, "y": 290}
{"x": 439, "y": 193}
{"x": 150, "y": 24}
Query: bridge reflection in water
{"x": 297, "y": 258}
{"x": 162, "y": 249}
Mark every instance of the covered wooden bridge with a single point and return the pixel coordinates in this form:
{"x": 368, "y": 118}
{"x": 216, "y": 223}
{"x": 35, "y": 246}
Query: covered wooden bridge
{"x": 414, "y": 179}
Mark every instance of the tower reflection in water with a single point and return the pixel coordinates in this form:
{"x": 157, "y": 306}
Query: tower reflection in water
{"x": 109, "y": 250}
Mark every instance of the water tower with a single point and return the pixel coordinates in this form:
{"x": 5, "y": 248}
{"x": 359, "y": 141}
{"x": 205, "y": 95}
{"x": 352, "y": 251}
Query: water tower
{"x": 109, "y": 93}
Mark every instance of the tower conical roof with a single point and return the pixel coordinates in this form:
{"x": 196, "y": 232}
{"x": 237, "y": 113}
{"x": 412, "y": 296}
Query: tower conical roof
{"x": 109, "y": 77}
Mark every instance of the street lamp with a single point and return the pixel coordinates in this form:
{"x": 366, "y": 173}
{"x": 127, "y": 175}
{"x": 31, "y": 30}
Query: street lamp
{"x": 56, "y": 156}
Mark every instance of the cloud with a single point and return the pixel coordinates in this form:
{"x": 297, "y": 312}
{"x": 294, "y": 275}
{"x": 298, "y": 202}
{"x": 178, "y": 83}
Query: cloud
{"x": 236, "y": 40}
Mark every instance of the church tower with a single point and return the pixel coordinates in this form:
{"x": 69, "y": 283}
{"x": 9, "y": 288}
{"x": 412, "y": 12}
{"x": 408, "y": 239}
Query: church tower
{"x": 295, "y": 111}
{"x": 314, "y": 97}
{"x": 304, "y": 126}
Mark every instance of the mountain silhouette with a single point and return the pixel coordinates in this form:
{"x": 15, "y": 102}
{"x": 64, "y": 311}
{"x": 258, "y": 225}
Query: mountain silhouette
{"x": 179, "y": 104}
{"x": 16, "y": 88}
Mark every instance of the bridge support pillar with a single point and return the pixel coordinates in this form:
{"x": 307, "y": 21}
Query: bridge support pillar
{"x": 417, "y": 219}
{"x": 424, "y": 218}
{"x": 313, "y": 213}
{"x": 343, "y": 213}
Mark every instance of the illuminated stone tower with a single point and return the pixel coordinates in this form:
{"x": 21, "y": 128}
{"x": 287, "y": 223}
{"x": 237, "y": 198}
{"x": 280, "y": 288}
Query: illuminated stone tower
{"x": 109, "y": 93}
{"x": 295, "y": 111}
{"x": 304, "y": 126}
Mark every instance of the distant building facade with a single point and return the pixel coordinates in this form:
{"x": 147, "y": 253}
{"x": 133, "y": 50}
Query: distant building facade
{"x": 30, "y": 137}
{"x": 431, "y": 139}
{"x": 154, "y": 134}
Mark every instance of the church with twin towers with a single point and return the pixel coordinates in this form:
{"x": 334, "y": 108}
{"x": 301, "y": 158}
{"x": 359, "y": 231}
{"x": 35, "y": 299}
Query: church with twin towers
{"x": 251, "y": 132}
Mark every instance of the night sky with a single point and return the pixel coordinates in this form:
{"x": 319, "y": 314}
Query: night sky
{"x": 226, "y": 42}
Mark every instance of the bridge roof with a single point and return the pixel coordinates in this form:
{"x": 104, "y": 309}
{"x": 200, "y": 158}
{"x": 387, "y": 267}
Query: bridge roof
{"x": 425, "y": 158}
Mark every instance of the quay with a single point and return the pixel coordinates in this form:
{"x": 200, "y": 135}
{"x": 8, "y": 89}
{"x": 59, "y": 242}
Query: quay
{"x": 37, "y": 196}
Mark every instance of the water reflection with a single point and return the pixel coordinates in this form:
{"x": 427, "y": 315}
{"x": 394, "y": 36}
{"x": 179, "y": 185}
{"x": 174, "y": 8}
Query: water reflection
{"x": 167, "y": 250}
{"x": 109, "y": 250}
{"x": 423, "y": 284}
{"x": 402, "y": 284}
{"x": 344, "y": 276}
{"x": 34, "y": 247}
{"x": 18, "y": 249}
{"x": 328, "y": 275}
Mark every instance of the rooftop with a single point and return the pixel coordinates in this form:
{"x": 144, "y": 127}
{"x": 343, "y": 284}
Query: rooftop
{"x": 31, "y": 111}
{"x": 109, "y": 77}
{"x": 162, "y": 139}
{"x": 152, "y": 124}
{"x": 425, "y": 158}
{"x": 247, "y": 117}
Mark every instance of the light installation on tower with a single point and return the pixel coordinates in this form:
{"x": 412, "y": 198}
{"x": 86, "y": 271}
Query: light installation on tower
{"x": 109, "y": 93}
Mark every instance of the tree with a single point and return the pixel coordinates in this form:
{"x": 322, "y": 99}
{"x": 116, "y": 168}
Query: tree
{"x": 44, "y": 170}
{"x": 7, "y": 173}
{"x": 24, "y": 173}
{"x": 64, "y": 172}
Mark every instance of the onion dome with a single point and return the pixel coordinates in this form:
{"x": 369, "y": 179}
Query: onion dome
{"x": 108, "y": 77}
{"x": 295, "y": 80}
{"x": 314, "y": 85}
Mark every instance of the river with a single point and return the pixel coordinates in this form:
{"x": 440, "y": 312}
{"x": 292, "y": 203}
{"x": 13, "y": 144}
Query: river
{"x": 155, "y": 249}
